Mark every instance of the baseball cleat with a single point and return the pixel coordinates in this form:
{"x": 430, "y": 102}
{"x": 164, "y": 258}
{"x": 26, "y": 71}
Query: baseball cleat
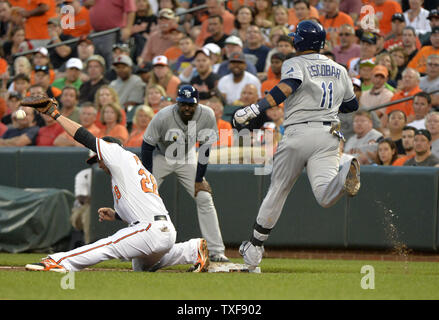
{"x": 218, "y": 257}
{"x": 46, "y": 264}
{"x": 203, "y": 258}
{"x": 352, "y": 184}
{"x": 252, "y": 254}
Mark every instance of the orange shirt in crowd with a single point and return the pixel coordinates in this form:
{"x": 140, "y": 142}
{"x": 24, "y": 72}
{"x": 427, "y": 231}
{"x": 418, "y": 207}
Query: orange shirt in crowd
{"x": 419, "y": 61}
{"x": 228, "y": 25}
{"x": 267, "y": 85}
{"x": 47, "y": 134}
{"x": 3, "y": 107}
{"x": 82, "y": 24}
{"x": 292, "y": 18}
{"x": 36, "y": 27}
{"x": 51, "y": 74}
{"x": 406, "y": 106}
{"x": 173, "y": 53}
{"x": 3, "y": 128}
{"x": 384, "y": 14}
{"x": 333, "y": 24}
{"x": 172, "y": 87}
{"x": 100, "y": 125}
{"x": 224, "y": 125}
{"x": 400, "y": 161}
{"x": 135, "y": 139}
{"x": 119, "y": 131}
{"x": 93, "y": 129}
{"x": 3, "y": 66}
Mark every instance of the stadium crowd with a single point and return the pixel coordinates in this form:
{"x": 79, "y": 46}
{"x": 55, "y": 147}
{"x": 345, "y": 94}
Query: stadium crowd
{"x": 112, "y": 65}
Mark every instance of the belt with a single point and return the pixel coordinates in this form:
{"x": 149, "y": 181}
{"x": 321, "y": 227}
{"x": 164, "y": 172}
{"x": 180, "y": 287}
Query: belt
{"x": 156, "y": 218}
{"x": 325, "y": 123}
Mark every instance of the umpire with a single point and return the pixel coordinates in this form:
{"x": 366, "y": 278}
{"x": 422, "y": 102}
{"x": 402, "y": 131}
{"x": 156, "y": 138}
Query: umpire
{"x": 169, "y": 145}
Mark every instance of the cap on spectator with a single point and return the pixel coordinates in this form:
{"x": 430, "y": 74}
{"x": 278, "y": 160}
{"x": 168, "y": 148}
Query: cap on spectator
{"x": 203, "y": 50}
{"x": 398, "y": 16}
{"x": 121, "y": 46}
{"x": 434, "y": 13}
{"x": 213, "y": 48}
{"x": 160, "y": 60}
{"x": 14, "y": 94}
{"x": 382, "y": 70}
{"x": 356, "y": 82}
{"x": 237, "y": 57}
{"x": 123, "y": 59}
{"x": 424, "y": 132}
{"x": 278, "y": 55}
{"x": 21, "y": 76}
{"x": 44, "y": 69}
{"x": 54, "y": 21}
{"x": 367, "y": 63}
{"x": 74, "y": 63}
{"x": 369, "y": 37}
{"x": 43, "y": 51}
{"x": 167, "y": 13}
{"x": 97, "y": 58}
{"x": 145, "y": 68}
{"x": 435, "y": 29}
{"x": 84, "y": 39}
{"x": 234, "y": 40}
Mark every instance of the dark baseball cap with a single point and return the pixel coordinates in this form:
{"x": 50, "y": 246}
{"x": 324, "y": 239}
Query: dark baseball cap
{"x": 94, "y": 158}
{"x": 278, "y": 55}
{"x": 369, "y": 37}
{"x": 434, "y": 13}
{"x": 423, "y": 132}
{"x": 237, "y": 57}
{"x": 398, "y": 16}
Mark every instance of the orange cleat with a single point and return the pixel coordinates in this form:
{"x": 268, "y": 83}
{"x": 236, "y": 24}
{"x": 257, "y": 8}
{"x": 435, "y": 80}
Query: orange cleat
{"x": 203, "y": 257}
{"x": 46, "y": 264}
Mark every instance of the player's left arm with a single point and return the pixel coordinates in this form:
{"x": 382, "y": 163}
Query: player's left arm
{"x": 349, "y": 106}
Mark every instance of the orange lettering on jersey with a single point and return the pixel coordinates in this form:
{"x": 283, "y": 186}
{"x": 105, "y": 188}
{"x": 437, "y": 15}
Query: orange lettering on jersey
{"x": 117, "y": 193}
{"x": 146, "y": 183}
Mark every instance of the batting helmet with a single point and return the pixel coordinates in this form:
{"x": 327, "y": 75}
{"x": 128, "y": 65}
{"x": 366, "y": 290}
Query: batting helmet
{"x": 309, "y": 35}
{"x": 187, "y": 94}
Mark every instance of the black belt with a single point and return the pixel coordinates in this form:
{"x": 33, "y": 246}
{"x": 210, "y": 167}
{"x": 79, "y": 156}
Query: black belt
{"x": 156, "y": 218}
{"x": 325, "y": 123}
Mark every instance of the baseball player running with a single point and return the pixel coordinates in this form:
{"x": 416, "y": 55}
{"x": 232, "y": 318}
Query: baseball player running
{"x": 149, "y": 240}
{"x": 169, "y": 145}
{"x": 314, "y": 89}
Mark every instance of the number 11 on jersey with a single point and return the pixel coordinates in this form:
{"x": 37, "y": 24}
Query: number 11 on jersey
{"x": 327, "y": 95}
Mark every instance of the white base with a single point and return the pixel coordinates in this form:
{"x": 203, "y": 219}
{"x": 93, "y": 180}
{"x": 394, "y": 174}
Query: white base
{"x": 232, "y": 267}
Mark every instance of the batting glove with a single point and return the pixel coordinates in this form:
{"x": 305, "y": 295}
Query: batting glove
{"x": 242, "y": 116}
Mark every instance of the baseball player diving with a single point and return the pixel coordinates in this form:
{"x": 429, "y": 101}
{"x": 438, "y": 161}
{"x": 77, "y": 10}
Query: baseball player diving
{"x": 149, "y": 239}
{"x": 314, "y": 90}
{"x": 169, "y": 145}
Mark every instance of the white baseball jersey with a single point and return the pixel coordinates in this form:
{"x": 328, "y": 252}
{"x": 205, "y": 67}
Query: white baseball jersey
{"x": 136, "y": 195}
{"x": 325, "y": 85}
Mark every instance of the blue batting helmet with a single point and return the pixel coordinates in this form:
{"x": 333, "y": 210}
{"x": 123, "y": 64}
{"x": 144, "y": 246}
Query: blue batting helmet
{"x": 309, "y": 35}
{"x": 187, "y": 94}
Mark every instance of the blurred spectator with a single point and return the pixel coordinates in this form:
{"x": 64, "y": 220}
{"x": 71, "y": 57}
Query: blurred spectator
{"x": 144, "y": 72}
{"x": 159, "y": 40}
{"x": 332, "y": 19}
{"x": 82, "y": 26}
{"x": 174, "y": 51}
{"x": 106, "y": 15}
{"x": 365, "y": 73}
{"x": 95, "y": 67}
{"x": 47, "y": 134}
{"x": 264, "y": 17}
{"x": 22, "y": 65}
{"x": 225, "y": 133}
{"x": 280, "y": 17}
{"x": 118, "y": 50}
{"x": 84, "y": 50}
{"x": 244, "y": 17}
{"x": 277, "y": 60}
{"x": 386, "y": 152}
{"x": 384, "y": 11}
{"x": 80, "y": 217}
{"x": 432, "y": 125}
{"x": 434, "y": 22}
{"x": 363, "y": 143}
{"x": 368, "y": 46}
{"x": 23, "y": 132}
{"x": 276, "y": 114}
{"x": 104, "y": 96}
{"x": 5, "y": 20}
{"x": 87, "y": 118}
{"x": 401, "y": 59}
{"x": 348, "y": 48}
{"x": 233, "y": 45}
{"x": 12, "y": 104}
{"x": 397, "y": 121}
{"x": 421, "y": 107}
{"x": 215, "y": 7}
{"x": 423, "y": 156}
{"x": 111, "y": 118}
{"x": 42, "y": 77}
{"x": 416, "y": 17}
{"x": 408, "y": 139}
{"x": 188, "y": 49}
{"x": 409, "y": 42}
{"x": 41, "y": 57}
{"x": 162, "y": 75}
{"x": 60, "y": 54}
{"x": 12, "y": 45}
{"x": 155, "y": 94}
{"x": 301, "y": 10}
{"x": 232, "y": 84}
{"x": 409, "y": 87}
{"x": 144, "y": 23}
{"x": 430, "y": 82}
{"x": 351, "y": 7}
{"x": 72, "y": 75}
{"x": 215, "y": 27}
{"x": 385, "y": 59}
{"x": 254, "y": 47}
{"x": 346, "y": 119}
{"x": 275, "y": 33}
{"x": 206, "y": 81}
{"x": 69, "y": 103}
{"x": 420, "y": 60}
{"x": 141, "y": 120}
{"x": 36, "y": 90}
{"x": 215, "y": 56}
{"x": 20, "y": 84}
{"x": 394, "y": 38}
{"x": 129, "y": 87}
{"x": 285, "y": 45}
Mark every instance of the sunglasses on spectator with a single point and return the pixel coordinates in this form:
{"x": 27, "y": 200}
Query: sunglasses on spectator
{"x": 41, "y": 68}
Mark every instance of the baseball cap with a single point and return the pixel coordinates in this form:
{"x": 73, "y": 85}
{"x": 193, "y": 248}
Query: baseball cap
{"x": 423, "y": 132}
{"x": 74, "y": 63}
{"x": 213, "y": 48}
{"x": 278, "y": 56}
{"x": 367, "y": 62}
{"x": 84, "y": 39}
{"x": 14, "y": 94}
{"x": 93, "y": 157}
{"x": 369, "y": 37}
{"x": 97, "y": 58}
{"x": 203, "y": 50}
{"x": 43, "y": 51}
{"x": 167, "y": 13}
{"x": 434, "y": 13}
{"x": 398, "y": 16}
{"x": 234, "y": 40}
{"x": 144, "y": 68}
{"x": 356, "y": 82}
{"x": 121, "y": 46}
{"x": 237, "y": 57}
{"x": 124, "y": 60}
{"x": 382, "y": 70}
{"x": 160, "y": 60}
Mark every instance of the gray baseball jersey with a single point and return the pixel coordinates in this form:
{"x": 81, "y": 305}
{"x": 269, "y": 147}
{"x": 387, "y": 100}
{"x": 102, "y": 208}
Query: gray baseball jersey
{"x": 325, "y": 85}
{"x": 167, "y": 128}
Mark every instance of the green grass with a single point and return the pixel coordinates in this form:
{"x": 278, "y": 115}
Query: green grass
{"x": 281, "y": 279}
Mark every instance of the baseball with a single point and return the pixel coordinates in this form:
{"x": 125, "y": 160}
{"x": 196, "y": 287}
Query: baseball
{"x": 20, "y": 114}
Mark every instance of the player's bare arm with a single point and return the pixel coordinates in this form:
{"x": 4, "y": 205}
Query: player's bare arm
{"x": 106, "y": 214}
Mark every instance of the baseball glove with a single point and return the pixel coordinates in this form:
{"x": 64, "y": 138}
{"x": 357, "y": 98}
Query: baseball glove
{"x": 43, "y": 104}
{"x": 202, "y": 186}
